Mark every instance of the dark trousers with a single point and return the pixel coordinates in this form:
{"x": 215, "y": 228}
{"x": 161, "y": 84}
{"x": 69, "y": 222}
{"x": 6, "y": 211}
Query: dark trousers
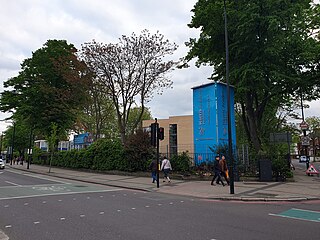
{"x": 218, "y": 176}
{"x": 154, "y": 175}
{"x": 225, "y": 177}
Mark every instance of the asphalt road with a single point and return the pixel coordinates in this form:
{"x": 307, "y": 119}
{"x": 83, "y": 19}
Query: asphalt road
{"x": 34, "y": 207}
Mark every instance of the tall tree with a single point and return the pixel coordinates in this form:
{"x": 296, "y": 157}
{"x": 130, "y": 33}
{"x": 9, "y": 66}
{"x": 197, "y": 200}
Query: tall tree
{"x": 131, "y": 71}
{"x": 99, "y": 115}
{"x": 50, "y": 88}
{"x": 274, "y": 54}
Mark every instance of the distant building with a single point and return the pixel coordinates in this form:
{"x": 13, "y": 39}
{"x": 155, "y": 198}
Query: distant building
{"x": 42, "y": 144}
{"x": 210, "y": 119}
{"x": 201, "y": 133}
{"x": 178, "y": 134}
{"x": 82, "y": 140}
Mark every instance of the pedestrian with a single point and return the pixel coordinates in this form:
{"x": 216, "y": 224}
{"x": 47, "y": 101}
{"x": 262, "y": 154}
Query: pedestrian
{"x": 224, "y": 169}
{"x": 166, "y": 167}
{"x": 217, "y": 172}
{"x": 153, "y": 167}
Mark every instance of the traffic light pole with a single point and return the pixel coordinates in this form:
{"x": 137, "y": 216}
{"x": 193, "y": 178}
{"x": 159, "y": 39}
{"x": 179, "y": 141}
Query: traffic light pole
{"x": 158, "y": 160}
{"x": 157, "y": 134}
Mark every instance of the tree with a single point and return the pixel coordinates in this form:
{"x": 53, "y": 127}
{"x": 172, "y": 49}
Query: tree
{"x": 21, "y": 133}
{"x": 274, "y": 54}
{"x": 53, "y": 139}
{"x": 130, "y": 71}
{"x": 99, "y": 115}
{"x": 135, "y": 116}
{"x": 50, "y": 88}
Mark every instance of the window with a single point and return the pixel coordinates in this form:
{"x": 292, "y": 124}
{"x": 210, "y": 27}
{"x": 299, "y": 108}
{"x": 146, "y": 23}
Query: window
{"x": 173, "y": 140}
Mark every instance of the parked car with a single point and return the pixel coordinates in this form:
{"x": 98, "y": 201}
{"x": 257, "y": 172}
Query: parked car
{"x": 2, "y": 164}
{"x": 303, "y": 159}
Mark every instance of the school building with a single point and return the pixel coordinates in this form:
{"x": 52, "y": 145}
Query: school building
{"x": 201, "y": 133}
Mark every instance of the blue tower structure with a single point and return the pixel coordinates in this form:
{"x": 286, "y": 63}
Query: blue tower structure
{"x": 210, "y": 120}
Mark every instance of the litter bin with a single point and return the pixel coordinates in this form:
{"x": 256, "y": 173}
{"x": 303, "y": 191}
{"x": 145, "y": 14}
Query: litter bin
{"x": 265, "y": 170}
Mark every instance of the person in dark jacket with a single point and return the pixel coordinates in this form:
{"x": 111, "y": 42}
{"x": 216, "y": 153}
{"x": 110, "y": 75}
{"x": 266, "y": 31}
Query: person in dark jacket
{"x": 217, "y": 172}
{"x": 153, "y": 168}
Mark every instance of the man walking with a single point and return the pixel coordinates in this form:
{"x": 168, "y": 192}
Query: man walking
{"x": 153, "y": 167}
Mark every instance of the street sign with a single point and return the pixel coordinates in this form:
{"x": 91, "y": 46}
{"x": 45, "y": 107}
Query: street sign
{"x": 304, "y": 125}
{"x": 305, "y": 141}
{"x": 312, "y": 170}
{"x": 284, "y": 137}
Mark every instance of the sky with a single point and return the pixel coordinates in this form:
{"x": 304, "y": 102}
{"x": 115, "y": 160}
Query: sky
{"x": 25, "y": 25}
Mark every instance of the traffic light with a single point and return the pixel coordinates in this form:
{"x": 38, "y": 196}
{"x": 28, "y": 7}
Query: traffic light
{"x": 153, "y": 128}
{"x": 161, "y": 133}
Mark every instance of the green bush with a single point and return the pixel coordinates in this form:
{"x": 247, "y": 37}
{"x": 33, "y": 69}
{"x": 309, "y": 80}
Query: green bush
{"x": 181, "y": 162}
{"x": 101, "y": 155}
{"x": 138, "y": 151}
{"x": 280, "y": 167}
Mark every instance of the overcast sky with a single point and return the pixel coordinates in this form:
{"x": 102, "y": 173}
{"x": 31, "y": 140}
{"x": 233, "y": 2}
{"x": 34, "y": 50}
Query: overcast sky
{"x": 25, "y": 25}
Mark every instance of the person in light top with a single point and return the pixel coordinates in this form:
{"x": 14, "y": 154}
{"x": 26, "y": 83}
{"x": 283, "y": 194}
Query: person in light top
{"x": 166, "y": 167}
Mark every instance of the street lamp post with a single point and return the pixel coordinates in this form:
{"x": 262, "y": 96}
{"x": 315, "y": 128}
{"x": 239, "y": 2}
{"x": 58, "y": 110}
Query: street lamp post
{"x": 12, "y": 145}
{"x": 1, "y": 144}
{"x": 230, "y": 147}
{"x": 304, "y": 130}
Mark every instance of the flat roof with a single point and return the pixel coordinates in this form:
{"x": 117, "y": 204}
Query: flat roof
{"x": 211, "y": 83}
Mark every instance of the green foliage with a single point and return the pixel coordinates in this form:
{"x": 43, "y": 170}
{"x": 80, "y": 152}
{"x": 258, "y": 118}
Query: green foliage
{"x": 274, "y": 54}
{"x": 138, "y": 151}
{"x": 280, "y": 167}
{"x": 181, "y": 162}
{"x": 131, "y": 71}
{"x": 102, "y": 155}
{"x": 21, "y": 133}
{"x": 50, "y": 88}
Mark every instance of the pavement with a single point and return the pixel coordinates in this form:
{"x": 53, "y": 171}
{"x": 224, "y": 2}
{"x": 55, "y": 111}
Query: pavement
{"x": 300, "y": 188}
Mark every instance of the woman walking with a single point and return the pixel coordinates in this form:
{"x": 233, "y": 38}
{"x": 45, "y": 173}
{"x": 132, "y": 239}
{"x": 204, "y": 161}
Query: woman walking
{"x": 166, "y": 167}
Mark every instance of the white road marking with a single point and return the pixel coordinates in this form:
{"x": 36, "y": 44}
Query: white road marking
{"x": 14, "y": 184}
{"x": 133, "y": 208}
{"x": 36, "y": 222}
{"x": 26, "y": 204}
{"x": 82, "y": 215}
{"x": 101, "y": 213}
{"x": 6, "y": 206}
{"x": 62, "y": 219}
{"x": 8, "y": 226}
{"x": 44, "y": 202}
{"x": 147, "y": 206}
{"x": 36, "y": 176}
{"x": 56, "y": 194}
{"x": 305, "y": 210}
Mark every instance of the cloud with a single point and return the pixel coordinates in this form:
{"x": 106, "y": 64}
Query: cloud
{"x": 26, "y": 25}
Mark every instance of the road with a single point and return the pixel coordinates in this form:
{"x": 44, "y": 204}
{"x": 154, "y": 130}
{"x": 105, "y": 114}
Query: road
{"x": 38, "y": 207}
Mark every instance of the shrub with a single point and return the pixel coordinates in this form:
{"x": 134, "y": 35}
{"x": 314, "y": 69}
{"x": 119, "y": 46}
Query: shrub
{"x": 138, "y": 151}
{"x": 181, "y": 162}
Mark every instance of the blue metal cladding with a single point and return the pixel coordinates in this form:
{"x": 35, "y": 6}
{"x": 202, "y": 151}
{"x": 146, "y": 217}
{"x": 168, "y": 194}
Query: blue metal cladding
{"x": 81, "y": 138}
{"x": 210, "y": 119}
